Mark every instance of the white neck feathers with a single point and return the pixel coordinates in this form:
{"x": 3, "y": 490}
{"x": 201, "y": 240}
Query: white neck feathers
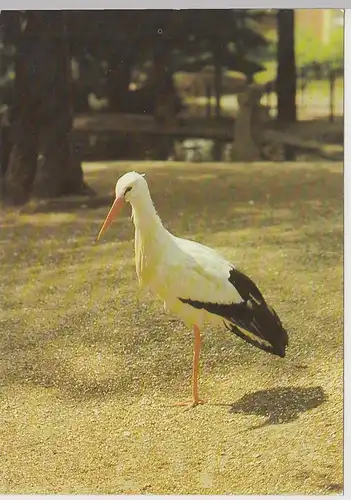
{"x": 151, "y": 238}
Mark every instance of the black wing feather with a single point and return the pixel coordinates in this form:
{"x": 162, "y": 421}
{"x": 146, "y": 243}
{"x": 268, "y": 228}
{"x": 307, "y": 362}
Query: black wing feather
{"x": 251, "y": 316}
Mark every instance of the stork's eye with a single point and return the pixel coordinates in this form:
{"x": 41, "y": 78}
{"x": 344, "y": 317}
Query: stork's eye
{"x": 127, "y": 190}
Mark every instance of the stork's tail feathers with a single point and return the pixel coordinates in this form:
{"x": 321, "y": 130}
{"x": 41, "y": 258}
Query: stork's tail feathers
{"x": 253, "y": 319}
{"x": 260, "y": 325}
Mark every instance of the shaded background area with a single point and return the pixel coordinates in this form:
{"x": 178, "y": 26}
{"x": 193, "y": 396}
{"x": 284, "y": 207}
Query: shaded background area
{"x": 199, "y": 85}
{"x": 90, "y": 367}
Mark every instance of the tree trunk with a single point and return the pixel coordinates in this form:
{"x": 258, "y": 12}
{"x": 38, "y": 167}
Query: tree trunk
{"x": 286, "y": 77}
{"x": 218, "y": 83}
{"x": 245, "y": 148}
{"x": 218, "y": 77}
{"x": 164, "y": 93}
{"x": 5, "y": 151}
{"x": 43, "y": 112}
{"x": 21, "y": 168}
{"x": 59, "y": 172}
{"x": 118, "y": 82}
{"x": 20, "y": 174}
{"x": 5, "y": 147}
{"x": 331, "y": 94}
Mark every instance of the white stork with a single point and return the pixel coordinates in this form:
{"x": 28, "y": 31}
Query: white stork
{"x": 194, "y": 281}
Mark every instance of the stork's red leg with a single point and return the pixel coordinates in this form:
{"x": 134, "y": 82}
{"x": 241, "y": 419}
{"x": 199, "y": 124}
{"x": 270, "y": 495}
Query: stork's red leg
{"x": 197, "y": 346}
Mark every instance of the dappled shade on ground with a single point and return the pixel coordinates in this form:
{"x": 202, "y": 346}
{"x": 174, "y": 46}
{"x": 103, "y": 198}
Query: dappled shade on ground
{"x": 90, "y": 365}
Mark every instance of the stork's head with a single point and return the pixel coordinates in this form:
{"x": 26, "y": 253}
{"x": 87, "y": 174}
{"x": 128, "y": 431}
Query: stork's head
{"x": 129, "y": 188}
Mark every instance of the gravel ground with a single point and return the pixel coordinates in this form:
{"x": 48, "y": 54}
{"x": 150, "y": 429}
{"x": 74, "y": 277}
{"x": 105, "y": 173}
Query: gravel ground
{"x": 90, "y": 366}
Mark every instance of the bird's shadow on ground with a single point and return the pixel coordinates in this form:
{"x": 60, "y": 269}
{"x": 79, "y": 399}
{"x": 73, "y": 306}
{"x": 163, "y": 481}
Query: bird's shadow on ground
{"x": 280, "y": 405}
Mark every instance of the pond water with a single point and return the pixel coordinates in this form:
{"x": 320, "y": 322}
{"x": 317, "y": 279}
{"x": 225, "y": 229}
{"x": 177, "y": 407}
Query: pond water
{"x": 199, "y": 150}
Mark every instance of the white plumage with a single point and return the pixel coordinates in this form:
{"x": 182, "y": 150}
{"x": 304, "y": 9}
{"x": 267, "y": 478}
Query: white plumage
{"x": 193, "y": 271}
{"x": 195, "y": 282}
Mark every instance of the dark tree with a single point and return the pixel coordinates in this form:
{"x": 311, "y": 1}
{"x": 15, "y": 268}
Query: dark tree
{"x": 21, "y": 168}
{"x": 162, "y": 42}
{"x": 58, "y": 172}
{"x": 286, "y": 77}
{"x": 109, "y": 48}
{"x": 41, "y": 118}
{"x": 6, "y": 61}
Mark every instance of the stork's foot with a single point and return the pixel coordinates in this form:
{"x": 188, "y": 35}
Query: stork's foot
{"x": 191, "y": 403}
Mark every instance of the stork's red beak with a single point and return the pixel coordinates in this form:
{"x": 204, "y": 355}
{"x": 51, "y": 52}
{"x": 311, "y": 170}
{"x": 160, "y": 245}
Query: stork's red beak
{"x": 114, "y": 211}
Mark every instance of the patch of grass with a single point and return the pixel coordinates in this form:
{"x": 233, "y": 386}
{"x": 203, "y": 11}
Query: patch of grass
{"x": 90, "y": 366}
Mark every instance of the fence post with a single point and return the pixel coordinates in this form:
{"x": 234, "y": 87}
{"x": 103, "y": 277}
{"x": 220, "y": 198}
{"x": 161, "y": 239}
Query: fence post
{"x": 300, "y": 76}
{"x": 244, "y": 145}
{"x": 208, "y": 103}
{"x": 331, "y": 95}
